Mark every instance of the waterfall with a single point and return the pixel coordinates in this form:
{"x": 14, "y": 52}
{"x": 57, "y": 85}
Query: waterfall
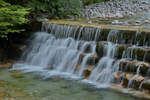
{"x": 130, "y": 84}
{"x": 106, "y": 67}
{"x": 85, "y": 59}
{"x": 93, "y": 54}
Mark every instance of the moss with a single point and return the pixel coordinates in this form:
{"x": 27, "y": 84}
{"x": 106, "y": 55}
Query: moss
{"x": 147, "y": 56}
{"x": 17, "y": 75}
{"x": 128, "y": 66}
{"x": 140, "y": 39}
{"x": 146, "y": 85}
{"x": 120, "y": 50}
{"x": 104, "y": 34}
{"x": 100, "y": 49}
{"x": 144, "y": 69}
{"x": 126, "y": 37}
{"x": 139, "y": 53}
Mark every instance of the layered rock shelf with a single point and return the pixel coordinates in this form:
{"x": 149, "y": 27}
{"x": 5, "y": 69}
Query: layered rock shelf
{"x": 100, "y": 53}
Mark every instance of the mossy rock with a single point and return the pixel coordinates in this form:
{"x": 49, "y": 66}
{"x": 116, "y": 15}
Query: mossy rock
{"x": 120, "y": 50}
{"x": 147, "y": 56}
{"x": 127, "y": 66}
{"x": 140, "y": 39}
{"x": 86, "y": 73}
{"x": 140, "y": 54}
{"x": 144, "y": 69}
{"x": 100, "y": 49}
{"x": 103, "y": 35}
{"x": 123, "y": 37}
{"x": 146, "y": 85}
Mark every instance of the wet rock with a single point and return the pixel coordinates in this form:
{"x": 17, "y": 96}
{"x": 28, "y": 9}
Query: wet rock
{"x": 132, "y": 66}
{"x": 122, "y": 36}
{"x": 117, "y": 77}
{"x": 146, "y": 85}
{"x": 147, "y": 56}
{"x": 125, "y": 79}
{"x": 6, "y": 66}
{"x": 142, "y": 39}
{"x": 103, "y": 35}
{"x": 87, "y": 71}
{"x": 137, "y": 53}
{"x": 120, "y": 51}
{"x": 92, "y": 60}
{"x": 146, "y": 22}
{"x": 100, "y": 48}
{"x": 128, "y": 77}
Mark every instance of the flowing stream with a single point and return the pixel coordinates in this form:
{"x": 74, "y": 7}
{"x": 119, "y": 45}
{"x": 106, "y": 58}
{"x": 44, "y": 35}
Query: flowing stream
{"x": 90, "y": 55}
{"x": 58, "y": 53}
{"x": 17, "y": 86}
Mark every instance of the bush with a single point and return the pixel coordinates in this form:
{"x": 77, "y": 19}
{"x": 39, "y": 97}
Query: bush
{"x": 10, "y": 17}
{"x": 88, "y": 2}
{"x": 57, "y": 8}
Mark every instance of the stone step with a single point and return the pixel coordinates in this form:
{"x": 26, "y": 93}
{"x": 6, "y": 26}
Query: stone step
{"x": 145, "y": 85}
{"x": 138, "y": 82}
{"x": 130, "y": 37}
{"x": 124, "y": 51}
{"x": 134, "y": 66}
{"x": 129, "y": 80}
{"x": 92, "y": 60}
{"x": 137, "y": 53}
{"x": 125, "y": 65}
{"x": 87, "y": 71}
{"x": 124, "y": 35}
{"x": 116, "y": 52}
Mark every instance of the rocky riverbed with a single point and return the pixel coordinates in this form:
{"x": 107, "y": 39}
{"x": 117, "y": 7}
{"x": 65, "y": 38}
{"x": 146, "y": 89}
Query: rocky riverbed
{"x": 116, "y": 8}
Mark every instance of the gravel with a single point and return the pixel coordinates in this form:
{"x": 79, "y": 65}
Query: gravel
{"x": 116, "y": 8}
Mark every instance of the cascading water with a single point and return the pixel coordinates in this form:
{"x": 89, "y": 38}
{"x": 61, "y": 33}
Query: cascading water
{"x": 85, "y": 59}
{"x": 130, "y": 84}
{"x": 54, "y": 54}
{"x": 106, "y": 67}
{"x": 57, "y": 50}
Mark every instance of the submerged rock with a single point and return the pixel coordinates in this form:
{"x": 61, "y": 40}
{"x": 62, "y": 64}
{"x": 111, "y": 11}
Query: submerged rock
{"x": 16, "y": 75}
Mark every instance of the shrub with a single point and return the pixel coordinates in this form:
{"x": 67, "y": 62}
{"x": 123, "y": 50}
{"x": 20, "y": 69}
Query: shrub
{"x": 88, "y": 2}
{"x": 57, "y": 8}
{"x": 10, "y": 17}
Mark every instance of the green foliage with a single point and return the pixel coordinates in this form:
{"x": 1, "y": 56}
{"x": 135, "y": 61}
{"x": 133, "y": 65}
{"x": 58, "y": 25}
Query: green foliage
{"x": 10, "y": 17}
{"x": 57, "y": 8}
{"x": 88, "y": 2}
